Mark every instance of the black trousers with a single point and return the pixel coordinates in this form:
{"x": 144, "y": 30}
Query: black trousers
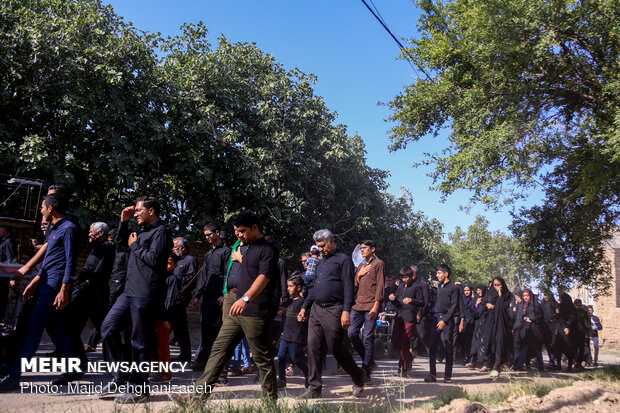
{"x": 143, "y": 336}
{"x": 92, "y": 304}
{"x": 178, "y": 319}
{"x": 324, "y": 325}
{"x": 210, "y": 323}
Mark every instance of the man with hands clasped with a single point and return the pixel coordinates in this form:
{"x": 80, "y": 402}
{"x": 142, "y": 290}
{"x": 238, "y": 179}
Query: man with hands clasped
{"x": 329, "y": 304}
{"x": 370, "y": 283}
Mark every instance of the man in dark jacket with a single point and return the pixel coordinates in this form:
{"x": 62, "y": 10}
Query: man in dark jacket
{"x": 91, "y": 292}
{"x": 180, "y": 286}
{"x": 210, "y": 287}
{"x": 146, "y": 268}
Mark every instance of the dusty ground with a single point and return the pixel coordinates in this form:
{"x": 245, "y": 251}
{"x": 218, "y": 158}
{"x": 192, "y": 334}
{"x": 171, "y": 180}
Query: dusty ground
{"x": 582, "y": 396}
{"x": 386, "y": 390}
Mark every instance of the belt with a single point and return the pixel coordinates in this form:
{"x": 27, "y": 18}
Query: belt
{"x": 326, "y": 305}
{"x": 232, "y": 290}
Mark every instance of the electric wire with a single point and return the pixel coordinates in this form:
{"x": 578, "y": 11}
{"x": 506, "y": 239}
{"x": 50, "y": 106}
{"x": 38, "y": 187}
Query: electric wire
{"x": 379, "y": 18}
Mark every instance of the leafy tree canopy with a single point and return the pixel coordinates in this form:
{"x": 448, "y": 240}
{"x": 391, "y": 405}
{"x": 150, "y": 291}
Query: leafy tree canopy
{"x": 90, "y": 101}
{"x": 530, "y": 92}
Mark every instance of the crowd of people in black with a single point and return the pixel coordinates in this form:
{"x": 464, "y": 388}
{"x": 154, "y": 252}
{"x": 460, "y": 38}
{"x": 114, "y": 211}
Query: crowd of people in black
{"x": 135, "y": 287}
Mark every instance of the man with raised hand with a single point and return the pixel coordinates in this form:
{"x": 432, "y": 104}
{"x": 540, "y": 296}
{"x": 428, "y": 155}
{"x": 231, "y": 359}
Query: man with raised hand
{"x": 146, "y": 273}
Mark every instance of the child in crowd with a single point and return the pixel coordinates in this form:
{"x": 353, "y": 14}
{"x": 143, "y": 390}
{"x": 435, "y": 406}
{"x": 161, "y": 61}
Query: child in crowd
{"x": 294, "y": 332}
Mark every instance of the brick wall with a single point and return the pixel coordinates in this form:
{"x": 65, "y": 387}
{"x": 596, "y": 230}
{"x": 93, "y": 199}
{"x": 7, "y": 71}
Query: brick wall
{"x": 608, "y": 305}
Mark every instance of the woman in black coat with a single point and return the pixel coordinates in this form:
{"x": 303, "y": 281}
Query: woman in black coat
{"x": 498, "y": 325}
{"x": 565, "y": 331}
{"x": 526, "y": 330}
{"x": 479, "y": 317}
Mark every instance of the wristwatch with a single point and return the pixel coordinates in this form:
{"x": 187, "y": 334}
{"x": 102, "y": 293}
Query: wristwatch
{"x": 245, "y": 299}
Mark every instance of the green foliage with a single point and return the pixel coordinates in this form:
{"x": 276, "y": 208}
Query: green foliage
{"x": 278, "y": 407}
{"x": 479, "y": 254}
{"x": 608, "y": 373}
{"x": 530, "y": 92}
{"x": 90, "y": 101}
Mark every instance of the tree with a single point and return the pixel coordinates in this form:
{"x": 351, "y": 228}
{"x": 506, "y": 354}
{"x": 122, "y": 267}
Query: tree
{"x": 530, "y": 93}
{"x": 92, "y": 102}
{"x": 479, "y": 254}
{"x": 80, "y": 101}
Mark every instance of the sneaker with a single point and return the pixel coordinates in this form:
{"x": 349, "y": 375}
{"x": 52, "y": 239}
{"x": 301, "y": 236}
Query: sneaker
{"x": 247, "y": 370}
{"x": 112, "y": 387}
{"x": 358, "y": 388}
{"x": 131, "y": 398}
{"x": 470, "y": 366}
{"x": 494, "y": 374}
{"x": 281, "y": 384}
{"x": 430, "y": 379}
{"x": 289, "y": 371}
{"x": 485, "y": 369}
{"x": 8, "y": 384}
{"x": 447, "y": 380}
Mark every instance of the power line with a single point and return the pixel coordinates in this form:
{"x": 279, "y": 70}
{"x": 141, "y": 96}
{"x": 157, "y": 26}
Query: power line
{"x": 379, "y": 18}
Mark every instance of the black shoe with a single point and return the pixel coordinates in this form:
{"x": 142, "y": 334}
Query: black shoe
{"x": 430, "y": 379}
{"x": 66, "y": 379}
{"x": 310, "y": 394}
{"x": 132, "y": 398}
{"x": 160, "y": 379}
{"x": 222, "y": 381}
{"x": 8, "y": 384}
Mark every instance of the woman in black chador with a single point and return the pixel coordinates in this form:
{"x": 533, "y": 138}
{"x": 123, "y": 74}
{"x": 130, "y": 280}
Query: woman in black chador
{"x": 527, "y": 331}
{"x": 498, "y": 325}
{"x": 476, "y": 352}
{"x": 548, "y": 326}
{"x": 565, "y": 331}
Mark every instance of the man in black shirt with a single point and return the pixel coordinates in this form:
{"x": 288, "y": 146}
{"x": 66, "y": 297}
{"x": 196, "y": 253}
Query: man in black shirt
{"x": 252, "y": 314}
{"x": 422, "y": 299}
{"x": 331, "y": 300}
{"x": 146, "y": 272}
{"x": 181, "y": 277}
{"x": 442, "y": 326}
{"x": 210, "y": 287}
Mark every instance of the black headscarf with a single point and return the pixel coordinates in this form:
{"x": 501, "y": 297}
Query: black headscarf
{"x": 498, "y": 326}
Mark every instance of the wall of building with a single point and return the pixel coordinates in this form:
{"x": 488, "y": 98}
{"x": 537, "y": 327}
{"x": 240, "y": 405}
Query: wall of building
{"x": 608, "y": 306}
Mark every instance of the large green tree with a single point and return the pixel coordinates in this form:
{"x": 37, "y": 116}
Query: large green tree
{"x": 88, "y": 100}
{"x": 478, "y": 254}
{"x": 529, "y": 93}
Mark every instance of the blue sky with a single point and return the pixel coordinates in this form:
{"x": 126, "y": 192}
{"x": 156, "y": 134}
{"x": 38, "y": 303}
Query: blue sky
{"x": 354, "y": 59}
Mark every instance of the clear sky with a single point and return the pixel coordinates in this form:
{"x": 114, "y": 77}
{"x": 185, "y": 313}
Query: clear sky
{"x": 354, "y": 59}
